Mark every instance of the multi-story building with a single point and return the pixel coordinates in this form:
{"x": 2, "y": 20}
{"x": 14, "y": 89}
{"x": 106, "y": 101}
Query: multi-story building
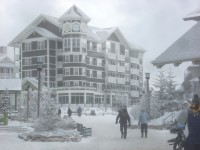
{"x": 82, "y": 64}
{"x": 6, "y": 64}
{"x": 8, "y": 83}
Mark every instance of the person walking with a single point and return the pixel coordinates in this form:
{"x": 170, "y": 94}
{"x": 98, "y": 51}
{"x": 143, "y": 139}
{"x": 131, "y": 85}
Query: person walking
{"x": 143, "y": 121}
{"x": 69, "y": 112}
{"x": 123, "y": 118}
{"x": 79, "y": 111}
{"x": 59, "y": 111}
{"x": 193, "y": 122}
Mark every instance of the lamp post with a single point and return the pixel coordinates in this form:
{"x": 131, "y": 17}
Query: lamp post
{"x": 39, "y": 68}
{"x": 147, "y": 76}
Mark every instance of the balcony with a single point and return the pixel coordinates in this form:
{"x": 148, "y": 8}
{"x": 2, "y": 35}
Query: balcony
{"x": 135, "y": 93}
{"x": 135, "y": 71}
{"x": 59, "y": 77}
{"x": 112, "y": 68}
{"x": 59, "y": 64}
{"x": 134, "y": 60}
{"x": 121, "y": 80}
{"x": 121, "y": 69}
{"x": 135, "y": 82}
{"x": 112, "y": 80}
{"x": 111, "y": 56}
{"x": 121, "y": 57}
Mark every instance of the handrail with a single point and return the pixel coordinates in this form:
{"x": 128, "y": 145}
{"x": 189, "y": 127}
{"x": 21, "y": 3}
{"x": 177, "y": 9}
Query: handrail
{"x": 171, "y": 115}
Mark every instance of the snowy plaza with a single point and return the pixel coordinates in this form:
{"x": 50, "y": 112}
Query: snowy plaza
{"x": 99, "y": 75}
{"x": 105, "y": 136}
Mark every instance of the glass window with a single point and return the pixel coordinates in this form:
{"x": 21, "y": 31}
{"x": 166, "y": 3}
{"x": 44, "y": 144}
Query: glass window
{"x": 27, "y": 46}
{"x": 67, "y": 58}
{"x": 40, "y": 44}
{"x": 67, "y": 71}
{"x": 76, "y": 71}
{"x": 27, "y": 61}
{"x": 76, "y": 58}
{"x": 28, "y": 73}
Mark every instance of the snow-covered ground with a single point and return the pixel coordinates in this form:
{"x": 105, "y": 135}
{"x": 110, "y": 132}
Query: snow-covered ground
{"x": 105, "y": 136}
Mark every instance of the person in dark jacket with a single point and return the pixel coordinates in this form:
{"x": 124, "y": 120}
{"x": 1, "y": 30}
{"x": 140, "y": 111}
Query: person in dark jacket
{"x": 69, "y": 112}
{"x": 59, "y": 111}
{"x": 193, "y": 121}
{"x": 123, "y": 118}
{"x": 79, "y": 111}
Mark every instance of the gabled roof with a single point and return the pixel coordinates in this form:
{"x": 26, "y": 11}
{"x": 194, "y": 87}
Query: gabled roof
{"x": 74, "y": 13}
{"x": 5, "y": 61}
{"x": 31, "y": 26}
{"x": 101, "y": 35}
{"x": 45, "y": 33}
{"x": 194, "y": 15}
{"x": 33, "y": 82}
{"x": 186, "y": 48}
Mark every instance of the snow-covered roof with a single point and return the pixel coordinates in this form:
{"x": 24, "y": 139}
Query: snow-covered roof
{"x": 45, "y": 33}
{"x": 10, "y": 84}
{"x": 196, "y": 79}
{"x": 24, "y": 33}
{"x": 5, "y": 61}
{"x": 34, "y": 82}
{"x": 74, "y": 13}
{"x": 94, "y": 34}
{"x": 194, "y": 15}
{"x": 186, "y": 48}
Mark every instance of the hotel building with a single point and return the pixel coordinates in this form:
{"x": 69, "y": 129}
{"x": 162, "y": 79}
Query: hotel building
{"x": 82, "y": 65}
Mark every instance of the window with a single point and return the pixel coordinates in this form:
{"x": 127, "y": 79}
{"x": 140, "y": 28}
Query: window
{"x": 76, "y": 71}
{"x": 111, "y": 62}
{"x": 41, "y": 59}
{"x": 87, "y": 60}
{"x": 122, "y": 52}
{"x": 67, "y": 71}
{"x": 121, "y": 64}
{"x": 67, "y": 83}
{"x": 67, "y": 43}
{"x": 40, "y": 44}
{"x": 76, "y": 83}
{"x": 76, "y": 43}
{"x": 83, "y": 43}
{"x": 112, "y": 48}
{"x": 134, "y": 77}
{"x": 63, "y": 99}
{"x": 27, "y": 61}
{"x": 67, "y": 58}
{"x": 28, "y": 73}
{"x": 134, "y": 66}
{"x": 76, "y": 58}
{"x": 77, "y": 98}
{"x": 94, "y": 74}
{"x": 94, "y": 61}
{"x": 112, "y": 74}
{"x": 27, "y": 46}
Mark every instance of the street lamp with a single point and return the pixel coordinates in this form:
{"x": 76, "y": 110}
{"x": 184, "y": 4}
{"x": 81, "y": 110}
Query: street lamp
{"x": 39, "y": 68}
{"x": 147, "y": 76}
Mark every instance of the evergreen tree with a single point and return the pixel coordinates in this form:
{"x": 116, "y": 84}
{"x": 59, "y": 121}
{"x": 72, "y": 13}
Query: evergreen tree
{"x": 170, "y": 86}
{"x": 160, "y": 84}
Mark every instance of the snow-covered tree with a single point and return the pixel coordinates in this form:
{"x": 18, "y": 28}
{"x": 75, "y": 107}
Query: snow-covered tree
{"x": 170, "y": 86}
{"x": 48, "y": 117}
{"x": 160, "y": 84}
{"x": 5, "y": 106}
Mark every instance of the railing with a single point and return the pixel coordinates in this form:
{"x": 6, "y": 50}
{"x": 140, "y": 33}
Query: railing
{"x": 172, "y": 115}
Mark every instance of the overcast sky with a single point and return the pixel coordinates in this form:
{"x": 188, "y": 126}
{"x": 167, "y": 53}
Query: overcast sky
{"x": 151, "y": 24}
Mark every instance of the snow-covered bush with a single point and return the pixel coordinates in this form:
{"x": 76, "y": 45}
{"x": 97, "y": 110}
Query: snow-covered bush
{"x": 49, "y": 119}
